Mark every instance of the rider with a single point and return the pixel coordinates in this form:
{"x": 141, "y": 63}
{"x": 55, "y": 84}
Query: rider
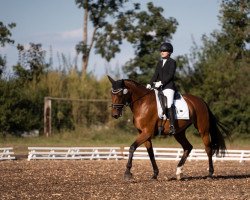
{"x": 164, "y": 78}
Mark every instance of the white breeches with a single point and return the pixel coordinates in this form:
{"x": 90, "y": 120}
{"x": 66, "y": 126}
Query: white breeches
{"x": 169, "y": 93}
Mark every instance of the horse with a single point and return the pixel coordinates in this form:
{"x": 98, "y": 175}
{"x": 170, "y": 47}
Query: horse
{"x": 142, "y": 103}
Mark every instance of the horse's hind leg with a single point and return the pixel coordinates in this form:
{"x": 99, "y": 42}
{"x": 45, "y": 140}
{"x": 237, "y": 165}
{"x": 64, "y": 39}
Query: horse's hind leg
{"x": 209, "y": 151}
{"x": 187, "y": 147}
{"x": 148, "y": 145}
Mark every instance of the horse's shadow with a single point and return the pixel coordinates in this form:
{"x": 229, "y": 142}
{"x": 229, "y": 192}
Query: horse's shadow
{"x": 219, "y": 177}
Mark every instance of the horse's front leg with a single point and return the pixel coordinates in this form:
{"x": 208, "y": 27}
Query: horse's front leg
{"x": 143, "y": 137}
{"x": 128, "y": 174}
{"x": 148, "y": 145}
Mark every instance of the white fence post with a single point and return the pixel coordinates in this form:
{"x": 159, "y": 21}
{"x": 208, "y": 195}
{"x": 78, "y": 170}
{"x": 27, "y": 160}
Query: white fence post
{"x": 7, "y": 153}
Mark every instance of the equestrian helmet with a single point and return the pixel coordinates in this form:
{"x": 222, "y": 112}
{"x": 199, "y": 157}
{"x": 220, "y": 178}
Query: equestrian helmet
{"x": 167, "y": 47}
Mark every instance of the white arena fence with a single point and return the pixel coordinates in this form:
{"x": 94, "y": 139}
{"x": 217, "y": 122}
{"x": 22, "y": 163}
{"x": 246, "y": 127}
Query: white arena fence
{"x": 7, "y": 153}
{"x": 81, "y": 153}
{"x": 196, "y": 154}
{"x": 117, "y": 153}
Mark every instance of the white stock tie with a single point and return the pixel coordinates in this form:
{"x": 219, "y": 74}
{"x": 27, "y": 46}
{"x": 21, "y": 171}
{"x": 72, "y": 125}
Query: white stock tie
{"x": 163, "y": 62}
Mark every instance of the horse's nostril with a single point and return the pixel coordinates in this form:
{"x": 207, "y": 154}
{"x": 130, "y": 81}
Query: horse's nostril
{"x": 115, "y": 116}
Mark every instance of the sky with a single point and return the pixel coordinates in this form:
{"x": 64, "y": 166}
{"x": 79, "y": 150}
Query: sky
{"x": 58, "y": 24}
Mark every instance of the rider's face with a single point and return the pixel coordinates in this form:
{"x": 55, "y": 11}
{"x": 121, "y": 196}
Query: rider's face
{"x": 165, "y": 54}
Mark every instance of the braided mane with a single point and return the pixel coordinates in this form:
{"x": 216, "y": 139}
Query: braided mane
{"x": 134, "y": 83}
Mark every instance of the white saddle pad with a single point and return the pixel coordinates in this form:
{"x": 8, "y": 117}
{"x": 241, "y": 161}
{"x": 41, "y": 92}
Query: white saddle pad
{"x": 181, "y": 108}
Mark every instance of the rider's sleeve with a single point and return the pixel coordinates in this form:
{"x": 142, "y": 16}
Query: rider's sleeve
{"x": 155, "y": 76}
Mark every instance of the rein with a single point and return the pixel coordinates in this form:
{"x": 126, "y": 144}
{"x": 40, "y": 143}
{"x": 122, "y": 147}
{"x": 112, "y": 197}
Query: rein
{"x": 120, "y": 106}
{"x": 139, "y": 98}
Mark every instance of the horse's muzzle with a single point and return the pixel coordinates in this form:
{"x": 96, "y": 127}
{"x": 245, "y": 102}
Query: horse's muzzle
{"x": 116, "y": 113}
{"x": 116, "y": 116}
{"x": 117, "y": 110}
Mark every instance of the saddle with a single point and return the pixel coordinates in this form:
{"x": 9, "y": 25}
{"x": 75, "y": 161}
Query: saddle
{"x": 180, "y": 105}
{"x": 163, "y": 100}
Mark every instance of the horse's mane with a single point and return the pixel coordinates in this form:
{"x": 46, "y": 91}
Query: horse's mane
{"x": 134, "y": 83}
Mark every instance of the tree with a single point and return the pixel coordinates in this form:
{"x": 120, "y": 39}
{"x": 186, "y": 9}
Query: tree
{"x": 21, "y": 98}
{"x": 223, "y": 65}
{"x": 5, "y": 34}
{"x": 5, "y": 38}
{"x": 98, "y": 12}
{"x": 32, "y": 62}
{"x": 145, "y": 30}
{"x": 19, "y": 111}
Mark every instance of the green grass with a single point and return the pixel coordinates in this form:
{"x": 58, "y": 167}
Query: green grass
{"x": 103, "y": 136}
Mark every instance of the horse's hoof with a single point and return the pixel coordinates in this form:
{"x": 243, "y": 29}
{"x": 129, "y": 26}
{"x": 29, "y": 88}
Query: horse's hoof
{"x": 179, "y": 176}
{"x": 154, "y": 177}
{"x": 210, "y": 175}
{"x": 128, "y": 176}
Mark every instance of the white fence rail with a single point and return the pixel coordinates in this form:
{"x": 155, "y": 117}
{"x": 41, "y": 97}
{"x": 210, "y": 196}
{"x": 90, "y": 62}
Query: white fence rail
{"x": 97, "y": 153}
{"x": 160, "y": 153}
{"x": 91, "y": 153}
{"x": 238, "y": 155}
{"x": 7, "y": 153}
{"x": 196, "y": 154}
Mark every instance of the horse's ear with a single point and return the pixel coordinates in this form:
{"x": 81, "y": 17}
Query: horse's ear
{"x": 111, "y": 80}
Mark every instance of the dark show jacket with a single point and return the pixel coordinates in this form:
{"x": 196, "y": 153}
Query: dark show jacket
{"x": 165, "y": 74}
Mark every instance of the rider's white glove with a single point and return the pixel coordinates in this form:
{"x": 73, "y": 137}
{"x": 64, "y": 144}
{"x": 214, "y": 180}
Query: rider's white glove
{"x": 148, "y": 86}
{"x": 158, "y": 84}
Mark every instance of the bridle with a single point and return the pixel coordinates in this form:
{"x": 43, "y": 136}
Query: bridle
{"x": 119, "y": 106}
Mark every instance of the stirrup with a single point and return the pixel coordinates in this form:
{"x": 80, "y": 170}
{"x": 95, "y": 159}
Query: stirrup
{"x": 171, "y": 130}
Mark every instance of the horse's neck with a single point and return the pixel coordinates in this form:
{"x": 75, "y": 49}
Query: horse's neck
{"x": 138, "y": 91}
{"x": 137, "y": 94}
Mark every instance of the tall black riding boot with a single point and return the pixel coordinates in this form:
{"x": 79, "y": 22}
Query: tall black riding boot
{"x": 171, "y": 120}
{"x": 163, "y": 102}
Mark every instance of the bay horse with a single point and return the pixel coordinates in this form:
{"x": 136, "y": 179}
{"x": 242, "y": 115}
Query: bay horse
{"x": 142, "y": 103}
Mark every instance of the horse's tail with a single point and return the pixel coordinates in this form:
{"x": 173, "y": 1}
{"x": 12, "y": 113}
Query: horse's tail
{"x": 218, "y": 133}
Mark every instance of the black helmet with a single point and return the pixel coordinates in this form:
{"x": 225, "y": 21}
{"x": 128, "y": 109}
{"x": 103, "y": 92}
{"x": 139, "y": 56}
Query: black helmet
{"x": 166, "y": 47}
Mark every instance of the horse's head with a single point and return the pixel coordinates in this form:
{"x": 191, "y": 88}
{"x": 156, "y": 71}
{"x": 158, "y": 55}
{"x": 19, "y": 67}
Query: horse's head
{"x": 120, "y": 97}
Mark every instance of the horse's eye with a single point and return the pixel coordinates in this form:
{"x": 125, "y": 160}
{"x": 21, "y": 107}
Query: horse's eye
{"x": 119, "y": 94}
